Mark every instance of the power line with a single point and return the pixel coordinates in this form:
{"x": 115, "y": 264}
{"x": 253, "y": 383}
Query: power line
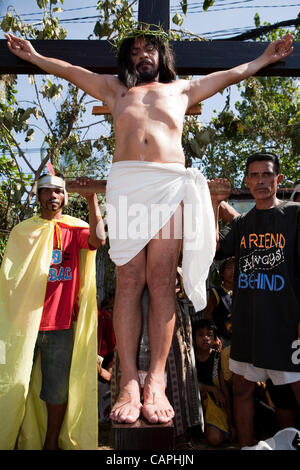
{"x": 198, "y": 8}
{"x": 228, "y": 6}
{"x": 64, "y": 11}
{"x": 192, "y": 9}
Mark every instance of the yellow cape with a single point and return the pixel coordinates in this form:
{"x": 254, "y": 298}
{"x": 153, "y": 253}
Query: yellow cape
{"x": 23, "y": 279}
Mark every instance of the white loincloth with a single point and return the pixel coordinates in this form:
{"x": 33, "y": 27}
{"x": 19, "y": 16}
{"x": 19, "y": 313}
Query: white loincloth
{"x": 137, "y": 191}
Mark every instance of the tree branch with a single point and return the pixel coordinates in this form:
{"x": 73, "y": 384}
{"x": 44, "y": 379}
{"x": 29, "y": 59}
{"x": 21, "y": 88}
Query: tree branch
{"x": 119, "y": 17}
{"x": 40, "y": 105}
{"x": 21, "y": 153}
{"x": 90, "y": 125}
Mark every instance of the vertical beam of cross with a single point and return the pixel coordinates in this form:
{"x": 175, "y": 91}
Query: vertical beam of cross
{"x": 155, "y": 12}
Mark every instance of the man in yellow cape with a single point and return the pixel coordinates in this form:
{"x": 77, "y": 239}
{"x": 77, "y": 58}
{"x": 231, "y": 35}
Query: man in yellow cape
{"x": 23, "y": 281}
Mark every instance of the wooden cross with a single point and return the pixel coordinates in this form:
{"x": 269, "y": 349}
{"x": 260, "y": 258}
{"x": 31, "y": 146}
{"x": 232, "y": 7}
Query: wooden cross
{"x": 192, "y": 57}
{"x": 104, "y": 110}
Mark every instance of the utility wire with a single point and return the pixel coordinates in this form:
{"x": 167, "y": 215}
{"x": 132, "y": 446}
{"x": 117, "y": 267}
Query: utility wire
{"x": 191, "y": 10}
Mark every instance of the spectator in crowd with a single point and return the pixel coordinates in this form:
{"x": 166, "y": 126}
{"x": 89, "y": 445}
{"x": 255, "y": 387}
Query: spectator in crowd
{"x": 218, "y": 307}
{"x": 266, "y": 294}
{"x": 106, "y": 335}
{"x": 217, "y": 411}
{"x": 48, "y": 325}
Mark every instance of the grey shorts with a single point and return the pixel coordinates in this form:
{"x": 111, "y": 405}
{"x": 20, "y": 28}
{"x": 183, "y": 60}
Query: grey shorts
{"x": 56, "y": 349}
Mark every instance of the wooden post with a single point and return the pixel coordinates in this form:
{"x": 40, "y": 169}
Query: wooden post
{"x": 156, "y": 12}
{"x": 143, "y": 436}
{"x": 99, "y": 186}
{"x": 93, "y": 186}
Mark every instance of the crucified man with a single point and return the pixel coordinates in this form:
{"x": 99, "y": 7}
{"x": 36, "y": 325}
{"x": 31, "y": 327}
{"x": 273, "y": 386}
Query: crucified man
{"x": 148, "y": 105}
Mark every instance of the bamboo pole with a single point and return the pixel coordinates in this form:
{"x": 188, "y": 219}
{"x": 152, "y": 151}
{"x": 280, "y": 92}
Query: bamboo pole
{"x": 99, "y": 186}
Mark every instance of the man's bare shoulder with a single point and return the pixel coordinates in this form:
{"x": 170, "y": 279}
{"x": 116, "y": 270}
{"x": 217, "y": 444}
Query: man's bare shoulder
{"x": 113, "y": 82}
{"x": 181, "y": 83}
{"x": 104, "y": 87}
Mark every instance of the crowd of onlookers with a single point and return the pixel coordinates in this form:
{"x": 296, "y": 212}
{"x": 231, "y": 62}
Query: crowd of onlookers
{"x": 275, "y": 405}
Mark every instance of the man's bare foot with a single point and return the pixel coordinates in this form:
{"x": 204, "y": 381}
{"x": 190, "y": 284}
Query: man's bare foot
{"x": 156, "y": 407}
{"x": 128, "y": 406}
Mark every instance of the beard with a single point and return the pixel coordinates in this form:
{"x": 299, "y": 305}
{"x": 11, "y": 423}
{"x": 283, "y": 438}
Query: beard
{"x": 148, "y": 75}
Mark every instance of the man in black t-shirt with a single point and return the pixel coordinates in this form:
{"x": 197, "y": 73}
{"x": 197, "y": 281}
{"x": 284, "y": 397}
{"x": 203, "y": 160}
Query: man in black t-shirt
{"x": 266, "y": 295}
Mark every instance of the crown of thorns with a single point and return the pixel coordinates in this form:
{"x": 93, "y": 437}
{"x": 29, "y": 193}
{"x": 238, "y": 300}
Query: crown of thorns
{"x": 140, "y": 30}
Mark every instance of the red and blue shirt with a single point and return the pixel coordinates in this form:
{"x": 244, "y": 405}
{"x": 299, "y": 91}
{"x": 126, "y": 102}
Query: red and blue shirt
{"x": 60, "y": 306}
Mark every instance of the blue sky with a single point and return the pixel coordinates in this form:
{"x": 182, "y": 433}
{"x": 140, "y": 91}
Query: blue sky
{"x": 225, "y": 15}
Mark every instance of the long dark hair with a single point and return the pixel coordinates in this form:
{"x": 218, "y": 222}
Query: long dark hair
{"x": 127, "y": 73}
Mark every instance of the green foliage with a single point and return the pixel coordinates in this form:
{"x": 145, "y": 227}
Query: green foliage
{"x": 3, "y": 241}
{"x": 266, "y": 117}
{"x": 13, "y": 180}
{"x": 115, "y": 17}
{"x": 50, "y": 28}
{"x": 56, "y": 111}
{"x": 207, "y": 4}
{"x": 178, "y": 18}
{"x": 184, "y": 6}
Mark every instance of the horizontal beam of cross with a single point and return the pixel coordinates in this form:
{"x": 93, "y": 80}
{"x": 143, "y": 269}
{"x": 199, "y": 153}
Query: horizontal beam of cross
{"x": 192, "y": 57}
{"x": 99, "y": 110}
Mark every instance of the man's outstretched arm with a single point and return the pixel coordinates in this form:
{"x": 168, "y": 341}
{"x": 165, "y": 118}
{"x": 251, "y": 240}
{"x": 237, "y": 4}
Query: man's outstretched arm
{"x": 204, "y": 87}
{"x": 97, "y": 231}
{"x": 227, "y": 212}
{"x": 220, "y": 189}
{"x": 99, "y": 86}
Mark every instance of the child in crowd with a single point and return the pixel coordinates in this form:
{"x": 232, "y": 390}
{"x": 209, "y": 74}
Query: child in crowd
{"x": 214, "y": 393}
{"x": 219, "y": 302}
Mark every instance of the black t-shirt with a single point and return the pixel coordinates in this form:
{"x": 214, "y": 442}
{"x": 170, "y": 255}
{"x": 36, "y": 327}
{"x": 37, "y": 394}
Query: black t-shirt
{"x": 266, "y": 294}
{"x": 206, "y": 370}
{"x": 221, "y": 314}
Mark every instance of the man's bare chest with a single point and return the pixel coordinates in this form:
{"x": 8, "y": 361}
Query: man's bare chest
{"x": 146, "y": 102}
